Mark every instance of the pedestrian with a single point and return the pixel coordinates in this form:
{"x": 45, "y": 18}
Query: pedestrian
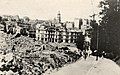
{"x": 80, "y": 52}
{"x": 97, "y": 55}
{"x": 89, "y": 52}
{"x": 85, "y": 54}
{"x": 103, "y": 54}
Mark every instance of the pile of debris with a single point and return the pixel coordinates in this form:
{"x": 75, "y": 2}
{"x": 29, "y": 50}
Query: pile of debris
{"x": 34, "y": 57}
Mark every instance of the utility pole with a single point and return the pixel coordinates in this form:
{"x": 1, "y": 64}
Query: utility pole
{"x": 97, "y": 30}
{"x": 93, "y": 18}
{"x": 97, "y": 37}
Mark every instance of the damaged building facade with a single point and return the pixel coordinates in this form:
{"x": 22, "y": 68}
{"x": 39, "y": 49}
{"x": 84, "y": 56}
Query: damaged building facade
{"x": 57, "y": 31}
{"x": 47, "y": 30}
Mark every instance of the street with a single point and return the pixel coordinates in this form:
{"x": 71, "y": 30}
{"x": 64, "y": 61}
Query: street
{"x": 90, "y": 67}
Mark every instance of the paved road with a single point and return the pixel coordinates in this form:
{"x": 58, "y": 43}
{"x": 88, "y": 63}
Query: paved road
{"x": 90, "y": 67}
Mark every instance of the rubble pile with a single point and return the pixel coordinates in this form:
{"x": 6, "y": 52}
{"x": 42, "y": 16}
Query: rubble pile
{"x": 34, "y": 57}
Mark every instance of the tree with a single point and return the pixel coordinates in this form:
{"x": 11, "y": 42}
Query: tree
{"x": 94, "y": 35}
{"x": 110, "y": 24}
{"x": 80, "y": 41}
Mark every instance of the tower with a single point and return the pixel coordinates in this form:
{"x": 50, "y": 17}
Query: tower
{"x": 59, "y": 17}
{"x": 78, "y": 22}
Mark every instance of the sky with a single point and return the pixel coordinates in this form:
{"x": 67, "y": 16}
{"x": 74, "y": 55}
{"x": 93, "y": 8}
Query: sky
{"x": 48, "y": 9}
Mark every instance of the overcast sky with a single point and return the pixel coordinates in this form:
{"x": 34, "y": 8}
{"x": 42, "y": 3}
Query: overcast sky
{"x": 47, "y": 9}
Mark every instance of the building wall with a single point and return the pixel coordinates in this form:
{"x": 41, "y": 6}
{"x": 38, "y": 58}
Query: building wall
{"x": 69, "y": 25}
{"x": 78, "y": 22}
{"x": 54, "y": 35}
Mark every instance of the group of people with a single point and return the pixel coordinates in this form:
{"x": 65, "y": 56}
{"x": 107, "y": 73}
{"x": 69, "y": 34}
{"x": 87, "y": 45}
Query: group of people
{"x": 98, "y": 54}
{"x": 88, "y": 53}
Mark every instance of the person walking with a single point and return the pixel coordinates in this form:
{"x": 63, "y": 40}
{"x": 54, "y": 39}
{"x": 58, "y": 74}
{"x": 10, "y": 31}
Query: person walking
{"x": 96, "y": 54}
{"x": 85, "y": 54}
{"x": 103, "y": 54}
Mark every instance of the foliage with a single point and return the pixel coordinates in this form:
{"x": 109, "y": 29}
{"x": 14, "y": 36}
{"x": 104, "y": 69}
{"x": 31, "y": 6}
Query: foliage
{"x": 94, "y": 35}
{"x": 110, "y": 24}
{"x": 80, "y": 41}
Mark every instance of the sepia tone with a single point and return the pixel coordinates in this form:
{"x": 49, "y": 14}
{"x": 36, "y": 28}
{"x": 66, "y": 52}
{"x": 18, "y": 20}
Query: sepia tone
{"x": 59, "y": 37}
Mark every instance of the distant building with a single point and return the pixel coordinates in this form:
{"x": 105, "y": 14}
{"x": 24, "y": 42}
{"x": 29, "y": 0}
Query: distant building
{"x": 56, "y": 31}
{"x": 59, "y": 17}
{"x": 47, "y": 30}
{"x": 40, "y": 32}
{"x": 32, "y": 31}
{"x": 10, "y": 26}
{"x": 56, "y": 34}
{"x": 85, "y": 26}
{"x": 78, "y": 22}
{"x": 10, "y": 18}
{"x": 57, "y": 21}
{"x": 69, "y": 25}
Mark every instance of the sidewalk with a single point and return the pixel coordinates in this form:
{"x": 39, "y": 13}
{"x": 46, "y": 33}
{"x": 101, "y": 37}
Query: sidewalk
{"x": 90, "y": 67}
